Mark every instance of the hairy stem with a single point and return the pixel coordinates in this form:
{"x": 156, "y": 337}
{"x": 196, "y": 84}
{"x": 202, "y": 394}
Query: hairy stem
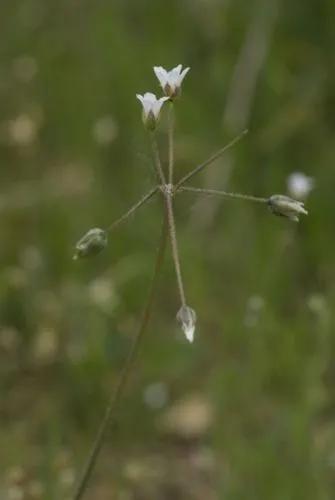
{"x": 132, "y": 209}
{"x": 171, "y": 145}
{"x": 129, "y": 364}
{"x": 156, "y": 159}
{"x": 224, "y": 193}
{"x": 210, "y": 160}
{"x": 174, "y": 245}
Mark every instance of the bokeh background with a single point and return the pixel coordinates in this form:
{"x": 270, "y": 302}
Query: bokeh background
{"x": 247, "y": 411}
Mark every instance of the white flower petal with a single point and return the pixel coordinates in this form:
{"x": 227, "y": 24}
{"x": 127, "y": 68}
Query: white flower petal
{"x": 177, "y": 69}
{"x": 150, "y": 97}
{"x": 161, "y": 74}
{"x": 189, "y": 332}
{"x": 183, "y": 74}
{"x": 157, "y": 106}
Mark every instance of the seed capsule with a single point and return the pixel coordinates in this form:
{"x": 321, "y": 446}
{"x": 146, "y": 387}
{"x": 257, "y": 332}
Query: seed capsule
{"x": 286, "y": 207}
{"x": 92, "y": 243}
{"x": 186, "y": 317}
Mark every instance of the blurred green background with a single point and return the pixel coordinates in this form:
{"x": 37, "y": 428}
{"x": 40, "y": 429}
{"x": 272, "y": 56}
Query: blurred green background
{"x": 247, "y": 411}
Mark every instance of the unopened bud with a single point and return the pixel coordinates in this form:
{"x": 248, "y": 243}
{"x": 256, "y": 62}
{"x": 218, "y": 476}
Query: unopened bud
{"x": 286, "y": 207}
{"x": 187, "y": 317}
{"x": 92, "y": 243}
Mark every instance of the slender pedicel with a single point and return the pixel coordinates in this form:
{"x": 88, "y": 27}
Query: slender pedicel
{"x": 156, "y": 159}
{"x": 210, "y": 159}
{"x": 174, "y": 244}
{"x": 171, "y": 145}
{"x": 224, "y": 193}
{"x": 133, "y": 209}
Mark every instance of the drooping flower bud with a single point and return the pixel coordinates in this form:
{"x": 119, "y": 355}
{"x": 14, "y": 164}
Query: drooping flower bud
{"x": 92, "y": 243}
{"x": 286, "y": 207}
{"x": 171, "y": 81}
{"x": 186, "y": 317}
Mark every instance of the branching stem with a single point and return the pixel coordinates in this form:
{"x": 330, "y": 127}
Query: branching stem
{"x": 133, "y": 209}
{"x": 118, "y": 392}
{"x": 174, "y": 244}
{"x": 224, "y": 193}
{"x": 210, "y": 160}
{"x": 156, "y": 159}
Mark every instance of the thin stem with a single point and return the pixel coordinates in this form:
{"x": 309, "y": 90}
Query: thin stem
{"x": 174, "y": 245}
{"x": 210, "y": 160}
{"x": 224, "y": 193}
{"x": 156, "y": 159}
{"x": 116, "y": 396}
{"x": 132, "y": 209}
{"x": 171, "y": 145}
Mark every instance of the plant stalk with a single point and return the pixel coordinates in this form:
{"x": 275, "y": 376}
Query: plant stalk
{"x": 132, "y": 209}
{"x": 174, "y": 245}
{"x": 224, "y": 193}
{"x": 156, "y": 159}
{"x": 117, "y": 394}
{"x": 171, "y": 141}
{"x": 210, "y": 160}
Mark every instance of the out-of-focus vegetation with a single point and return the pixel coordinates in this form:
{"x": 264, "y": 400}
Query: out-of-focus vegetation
{"x": 247, "y": 411}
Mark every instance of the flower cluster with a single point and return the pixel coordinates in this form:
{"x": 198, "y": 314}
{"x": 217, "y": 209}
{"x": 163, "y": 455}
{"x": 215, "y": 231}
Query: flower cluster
{"x": 95, "y": 240}
{"x": 170, "y": 82}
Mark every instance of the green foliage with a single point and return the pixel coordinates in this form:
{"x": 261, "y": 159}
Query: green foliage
{"x": 73, "y": 156}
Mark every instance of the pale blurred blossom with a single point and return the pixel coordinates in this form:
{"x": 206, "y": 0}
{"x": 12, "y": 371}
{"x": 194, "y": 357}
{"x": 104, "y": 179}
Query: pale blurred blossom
{"x": 16, "y": 277}
{"x": 254, "y": 306}
{"x": 191, "y": 417}
{"x": 67, "y": 477}
{"x": 105, "y": 130}
{"x": 15, "y": 493}
{"x": 23, "y": 130}
{"x": 102, "y": 294}
{"x": 156, "y": 395}
{"x": 25, "y": 68}
{"x": 299, "y": 185}
{"x": 16, "y": 475}
{"x": 35, "y": 490}
{"x": 31, "y": 258}
{"x": 9, "y": 338}
{"x": 316, "y": 302}
{"x": 45, "y": 345}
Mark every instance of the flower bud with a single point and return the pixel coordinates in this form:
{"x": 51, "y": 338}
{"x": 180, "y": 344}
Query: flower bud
{"x": 187, "y": 317}
{"x": 92, "y": 243}
{"x": 286, "y": 207}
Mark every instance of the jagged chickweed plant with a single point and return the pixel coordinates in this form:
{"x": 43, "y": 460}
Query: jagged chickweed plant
{"x": 95, "y": 240}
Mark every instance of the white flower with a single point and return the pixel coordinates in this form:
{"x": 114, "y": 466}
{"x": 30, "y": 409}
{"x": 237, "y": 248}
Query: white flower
{"x": 187, "y": 317}
{"x": 151, "y": 108}
{"x": 286, "y": 207}
{"x": 299, "y": 185}
{"x": 171, "y": 81}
